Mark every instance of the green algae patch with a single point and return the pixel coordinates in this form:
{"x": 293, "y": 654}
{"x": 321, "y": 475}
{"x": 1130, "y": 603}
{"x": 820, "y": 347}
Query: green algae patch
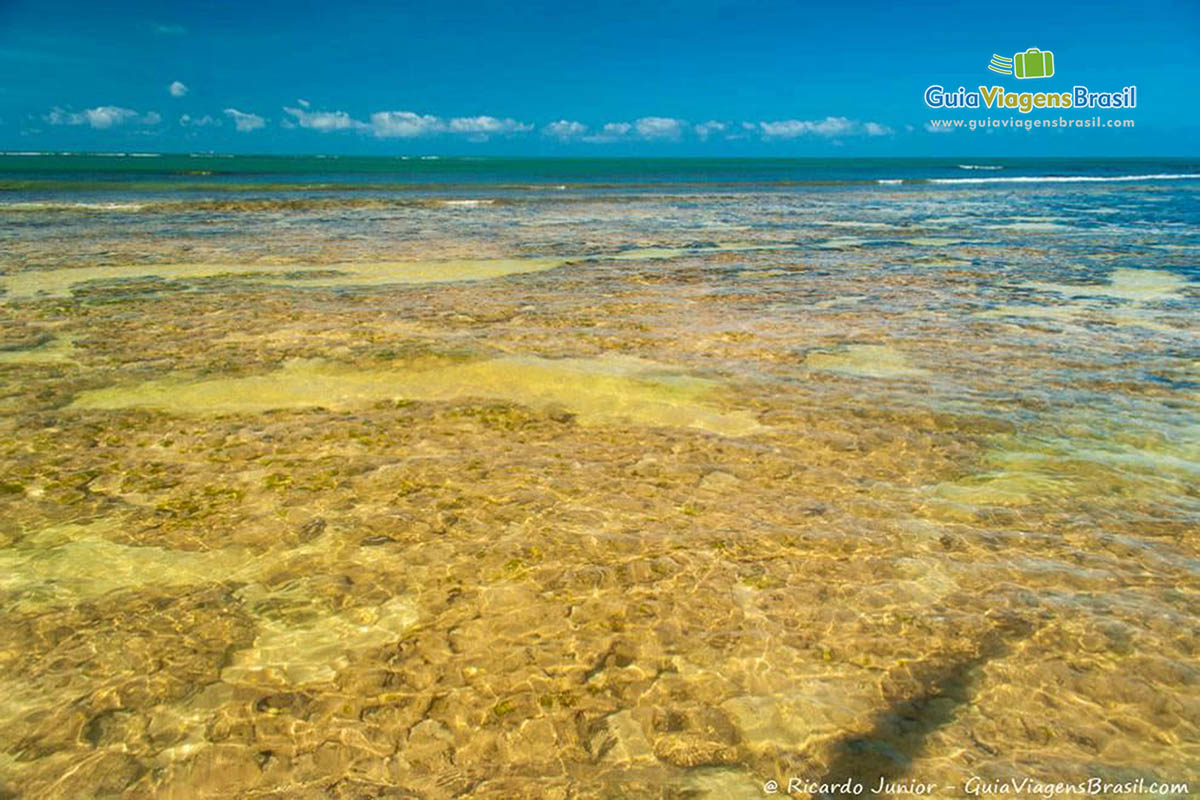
{"x": 595, "y": 390}
{"x": 298, "y": 638}
{"x": 1133, "y": 285}
{"x": 654, "y": 253}
{"x": 59, "y": 350}
{"x": 644, "y": 254}
{"x": 1140, "y": 292}
{"x": 383, "y": 273}
{"x": 1105, "y": 462}
{"x": 70, "y": 562}
{"x": 933, "y": 241}
{"x": 61, "y": 282}
{"x": 1002, "y": 489}
{"x": 865, "y": 361}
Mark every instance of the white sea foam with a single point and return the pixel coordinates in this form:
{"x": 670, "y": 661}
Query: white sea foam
{"x": 60, "y": 206}
{"x": 1072, "y": 178}
{"x": 979, "y": 166}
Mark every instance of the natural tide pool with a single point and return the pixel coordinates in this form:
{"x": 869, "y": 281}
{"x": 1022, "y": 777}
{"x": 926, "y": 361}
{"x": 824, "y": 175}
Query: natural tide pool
{"x": 610, "y": 509}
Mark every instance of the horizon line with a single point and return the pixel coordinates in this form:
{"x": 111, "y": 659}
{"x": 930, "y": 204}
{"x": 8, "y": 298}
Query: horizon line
{"x": 543, "y": 157}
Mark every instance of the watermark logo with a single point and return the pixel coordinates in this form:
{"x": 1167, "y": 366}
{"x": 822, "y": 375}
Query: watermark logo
{"x": 1033, "y": 63}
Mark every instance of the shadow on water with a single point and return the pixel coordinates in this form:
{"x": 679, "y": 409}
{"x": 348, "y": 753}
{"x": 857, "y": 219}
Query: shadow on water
{"x": 899, "y": 733}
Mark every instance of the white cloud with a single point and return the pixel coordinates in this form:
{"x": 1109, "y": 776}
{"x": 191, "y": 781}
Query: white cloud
{"x": 177, "y": 89}
{"x": 565, "y": 129}
{"x": 829, "y": 127}
{"x": 245, "y": 122}
{"x": 487, "y": 125}
{"x": 408, "y": 125}
{"x": 931, "y": 128}
{"x": 404, "y": 124}
{"x": 646, "y": 128}
{"x": 102, "y": 117}
{"x": 791, "y": 128}
{"x": 706, "y": 129}
{"x": 188, "y": 121}
{"x": 325, "y": 121}
{"x": 659, "y": 127}
{"x": 610, "y": 132}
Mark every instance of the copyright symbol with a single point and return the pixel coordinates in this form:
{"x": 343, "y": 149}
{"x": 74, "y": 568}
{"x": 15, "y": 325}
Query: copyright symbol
{"x": 771, "y": 787}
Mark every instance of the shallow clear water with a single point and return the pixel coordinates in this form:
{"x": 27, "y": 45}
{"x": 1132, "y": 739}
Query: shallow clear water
{"x": 597, "y": 492}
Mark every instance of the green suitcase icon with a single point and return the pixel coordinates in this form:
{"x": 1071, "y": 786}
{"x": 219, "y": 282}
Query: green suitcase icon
{"x": 1033, "y": 63}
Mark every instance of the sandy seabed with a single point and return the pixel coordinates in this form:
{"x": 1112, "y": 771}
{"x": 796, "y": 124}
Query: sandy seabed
{"x": 599, "y": 498}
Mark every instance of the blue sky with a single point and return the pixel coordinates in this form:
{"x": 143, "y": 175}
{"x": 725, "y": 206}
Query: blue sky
{"x": 757, "y": 77}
